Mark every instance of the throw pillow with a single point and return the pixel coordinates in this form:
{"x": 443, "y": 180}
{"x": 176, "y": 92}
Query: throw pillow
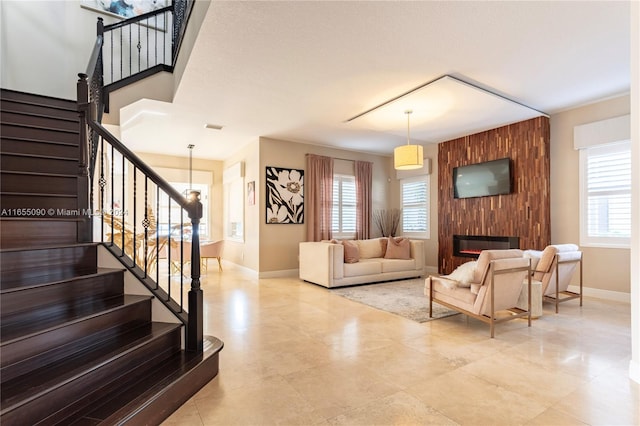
{"x": 351, "y": 252}
{"x": 383, "y": 245}
{"x": 398, "y": 248}
{"x": 370, "y": 249}
{"x": 463, "y": 274}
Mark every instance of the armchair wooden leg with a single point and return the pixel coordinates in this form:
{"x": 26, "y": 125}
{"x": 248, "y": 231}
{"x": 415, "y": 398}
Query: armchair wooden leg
{"x": 430, "y": 298}
{"x": 219, "y": 264}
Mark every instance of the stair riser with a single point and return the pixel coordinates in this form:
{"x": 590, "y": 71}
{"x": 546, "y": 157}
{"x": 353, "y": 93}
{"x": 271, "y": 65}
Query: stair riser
{"x": 40, "y": 205}
{"x": 73, "y": 396}
{"x": 14, "y": 96}
{"x": 38, "y": 184}
{"x": 59, "y": 353}
{"x": 34, "y": 233}
{"x": 9, "y": 131}
{"x": 71, "y": 292}
{"x": 21, "y": 107}
{"x": 126, "y": 316}
{"x": 38, "y": 148}
{"x": 8, "y": 117}
{"x": 27, "y": 264}
{"x": 17, "y": 163}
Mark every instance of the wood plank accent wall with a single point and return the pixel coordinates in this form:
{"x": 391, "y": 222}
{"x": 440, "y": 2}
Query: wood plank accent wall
{"x": 525, "y": 213}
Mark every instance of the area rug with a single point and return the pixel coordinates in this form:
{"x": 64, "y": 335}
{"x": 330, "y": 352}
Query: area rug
{"x": 405, "y": 298}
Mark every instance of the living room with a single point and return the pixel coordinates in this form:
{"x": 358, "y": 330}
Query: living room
{"x": 268, "y": 251}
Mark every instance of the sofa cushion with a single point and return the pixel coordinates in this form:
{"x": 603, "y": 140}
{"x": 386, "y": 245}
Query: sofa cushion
{"x": 364, "y": 267}
{"x": 351, "y": 251}
{"x": 370, "y": 248}
{"x": 398, "y": 248}
{"x": 397, "y": 265}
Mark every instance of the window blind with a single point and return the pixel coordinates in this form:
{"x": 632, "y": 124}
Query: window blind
{"x": 343, "y": 217}
{"x": 414, "y": 205}
{"x": 608, "y": 191}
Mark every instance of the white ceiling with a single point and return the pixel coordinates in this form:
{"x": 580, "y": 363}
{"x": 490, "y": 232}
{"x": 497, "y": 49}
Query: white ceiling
{"x": 299, "y": 70}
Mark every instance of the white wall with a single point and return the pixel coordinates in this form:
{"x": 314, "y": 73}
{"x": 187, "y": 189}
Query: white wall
{"x": 45, "y": 44}
{"x": 605, "y": 269}
{"x": 634, "y": 364}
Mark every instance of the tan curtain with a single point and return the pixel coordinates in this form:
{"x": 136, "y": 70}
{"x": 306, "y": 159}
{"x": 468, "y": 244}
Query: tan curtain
{"x": 364, "y": 178}
{"x": 319, "y": 197}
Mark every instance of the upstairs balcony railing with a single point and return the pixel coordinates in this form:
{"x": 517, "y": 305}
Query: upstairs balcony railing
{"x": 135, "y": 213}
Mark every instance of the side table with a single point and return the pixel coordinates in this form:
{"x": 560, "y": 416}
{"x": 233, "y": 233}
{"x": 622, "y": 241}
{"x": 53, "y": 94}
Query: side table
{"x": 536, "y": 298}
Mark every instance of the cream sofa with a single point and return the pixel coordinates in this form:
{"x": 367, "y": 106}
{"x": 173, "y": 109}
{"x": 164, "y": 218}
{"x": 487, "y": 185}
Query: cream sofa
{"x": 323, "y": 263}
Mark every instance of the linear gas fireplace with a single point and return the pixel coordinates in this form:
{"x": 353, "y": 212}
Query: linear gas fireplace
{"x": 472, "y": 245}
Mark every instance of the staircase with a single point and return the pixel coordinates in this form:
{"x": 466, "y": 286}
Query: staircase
{"x": 74, "y": 348}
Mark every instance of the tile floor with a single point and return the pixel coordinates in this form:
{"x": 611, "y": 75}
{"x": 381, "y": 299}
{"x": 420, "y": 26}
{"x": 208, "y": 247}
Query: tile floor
{"x": 295, "y": 354}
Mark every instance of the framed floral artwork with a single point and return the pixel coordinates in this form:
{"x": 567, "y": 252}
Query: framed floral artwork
{"x": 285, "y": 195}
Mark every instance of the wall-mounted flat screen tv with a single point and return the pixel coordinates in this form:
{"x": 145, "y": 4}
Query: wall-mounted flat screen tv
{"x": 482, "y": 179}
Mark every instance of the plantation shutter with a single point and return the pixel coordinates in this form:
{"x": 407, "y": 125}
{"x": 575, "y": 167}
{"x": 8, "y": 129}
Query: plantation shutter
{"x": 414, "y": 205}
{"x": 608, "y": 191}
{"x": 343, "y": 219}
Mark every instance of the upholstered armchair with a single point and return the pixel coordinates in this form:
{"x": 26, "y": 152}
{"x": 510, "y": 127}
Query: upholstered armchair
{"x": 211, "y": 251}
{"x": 555, "y": 269}
{"x": 491, "y": 294}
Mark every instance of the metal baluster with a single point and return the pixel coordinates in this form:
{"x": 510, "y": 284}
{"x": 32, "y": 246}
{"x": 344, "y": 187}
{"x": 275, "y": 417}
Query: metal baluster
{"x": 113, "y": 161}
{"x": 135, "y": 199}
{"x": 182, "y": 255}
{"x": 111, "y": 32}
{"x": 122, "y": 206}
{"x": 169, "y": 250}
{"x": 155, "y": 47}
{"x": 145, "y": 223}
{"x": 102, "y": 182}
{"x": 130, "y": 59}
{"x": 139, "y": 48}
{"x": 164, "y": 39}
{"x": 158, "y": 237}
{"x": 121, "y": 59}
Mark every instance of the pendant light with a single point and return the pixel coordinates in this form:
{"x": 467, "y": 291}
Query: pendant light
{"x": 408, "y": 157}
{"x": 191, "y": 194}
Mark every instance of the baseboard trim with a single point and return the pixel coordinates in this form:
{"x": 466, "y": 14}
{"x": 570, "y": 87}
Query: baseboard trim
{"x": 285, "y": 273}
{"x": 616, "y": 296}
{"x": 431, "y": 270}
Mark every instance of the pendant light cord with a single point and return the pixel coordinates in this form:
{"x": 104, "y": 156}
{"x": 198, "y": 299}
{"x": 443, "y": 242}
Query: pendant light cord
{"x": 408, "y": 112}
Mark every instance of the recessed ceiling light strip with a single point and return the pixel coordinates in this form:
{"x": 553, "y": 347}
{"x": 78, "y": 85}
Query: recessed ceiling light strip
{"x": 433, "y": 81}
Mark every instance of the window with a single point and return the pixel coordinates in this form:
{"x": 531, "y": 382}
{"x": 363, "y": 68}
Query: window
{"x": 605, "y": 196}
{"x": 343, "y": 213}
{"x": 234, "y": 196}
{"x": 176, "y": 211}
{"x": 415, "y": 206}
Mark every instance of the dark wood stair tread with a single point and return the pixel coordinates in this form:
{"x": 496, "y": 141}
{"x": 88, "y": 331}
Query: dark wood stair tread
{"x": 21, "y": 328}
{"x": 129, "y": 401}
{"x": 24, "y": 388}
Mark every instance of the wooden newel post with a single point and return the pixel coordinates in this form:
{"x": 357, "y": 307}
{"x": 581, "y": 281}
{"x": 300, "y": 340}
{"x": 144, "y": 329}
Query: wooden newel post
{"x": 195, "y": 327}
{"x": 84, "y": 232}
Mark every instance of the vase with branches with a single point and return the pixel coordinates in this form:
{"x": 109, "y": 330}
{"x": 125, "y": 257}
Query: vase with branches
{"x": 387, "y": 221}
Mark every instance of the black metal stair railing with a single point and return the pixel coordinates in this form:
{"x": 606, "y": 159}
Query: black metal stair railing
{"x": 134, "y": 212}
